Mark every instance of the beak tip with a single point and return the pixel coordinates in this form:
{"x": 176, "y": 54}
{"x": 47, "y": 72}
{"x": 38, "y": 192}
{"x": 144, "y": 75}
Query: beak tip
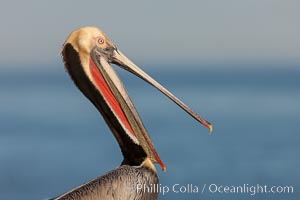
{"x": 210, "y": 129}
{"x": 208, "y": 125}
{"x": 163, "y": 167}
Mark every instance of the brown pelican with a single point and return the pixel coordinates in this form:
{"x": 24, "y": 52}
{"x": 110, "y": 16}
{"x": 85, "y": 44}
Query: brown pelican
{"x": 87, "y": 55}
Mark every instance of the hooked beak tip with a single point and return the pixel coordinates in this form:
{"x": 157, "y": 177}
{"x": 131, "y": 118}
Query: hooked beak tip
{"x": 163, "y": 166}
{"x": 210, "y": 129}
{"x": 209, "y": 126}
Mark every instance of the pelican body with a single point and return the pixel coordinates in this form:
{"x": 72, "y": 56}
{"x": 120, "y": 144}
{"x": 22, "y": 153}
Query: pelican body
{"x": 88, "y": 54}
{"x": 125, "y": 182}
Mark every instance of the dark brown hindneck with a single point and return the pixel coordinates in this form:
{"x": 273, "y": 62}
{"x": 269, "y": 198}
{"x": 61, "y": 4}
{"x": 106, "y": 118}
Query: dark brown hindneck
{"x": 133, "y": 154}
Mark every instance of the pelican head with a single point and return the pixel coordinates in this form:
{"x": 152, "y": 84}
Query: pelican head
{"x": 87, "y": 55}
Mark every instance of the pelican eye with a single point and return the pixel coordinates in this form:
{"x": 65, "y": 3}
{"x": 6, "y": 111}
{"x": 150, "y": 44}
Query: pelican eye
{"x": 100, "y": 41}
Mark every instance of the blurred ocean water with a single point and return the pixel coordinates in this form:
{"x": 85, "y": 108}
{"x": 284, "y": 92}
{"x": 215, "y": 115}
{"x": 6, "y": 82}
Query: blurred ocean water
{"x": 52, "y": 138}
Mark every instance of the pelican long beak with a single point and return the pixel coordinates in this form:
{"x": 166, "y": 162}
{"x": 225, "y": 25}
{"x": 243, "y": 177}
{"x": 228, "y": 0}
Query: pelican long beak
{"x": 120, "y": 59}
{"x": 128, "y": 124}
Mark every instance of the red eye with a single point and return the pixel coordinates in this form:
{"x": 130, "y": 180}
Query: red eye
{"x": 100, "y": 41}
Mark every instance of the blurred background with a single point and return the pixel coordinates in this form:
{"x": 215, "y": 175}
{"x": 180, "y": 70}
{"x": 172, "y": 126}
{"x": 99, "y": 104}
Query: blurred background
{"x": 234, "y": 62}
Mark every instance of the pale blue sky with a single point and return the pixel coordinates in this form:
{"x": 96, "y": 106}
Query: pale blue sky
{"x": 199, "y": 31}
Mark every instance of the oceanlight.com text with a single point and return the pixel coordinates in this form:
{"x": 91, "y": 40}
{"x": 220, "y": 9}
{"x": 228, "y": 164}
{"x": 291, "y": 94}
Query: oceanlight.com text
{"x": 212, "y": 188}
{"x": 248, "y": 189}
